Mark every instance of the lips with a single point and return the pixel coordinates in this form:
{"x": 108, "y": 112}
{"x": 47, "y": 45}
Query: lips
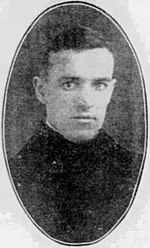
{"x": 84, "y": 117}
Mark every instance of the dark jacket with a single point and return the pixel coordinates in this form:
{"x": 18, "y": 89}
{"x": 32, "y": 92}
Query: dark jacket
{"x": 75, "y": 192}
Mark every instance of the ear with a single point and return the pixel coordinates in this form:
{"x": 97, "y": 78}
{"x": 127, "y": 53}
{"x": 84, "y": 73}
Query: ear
{"x": 39, "y": 87}
{"x": 111, "y": 87}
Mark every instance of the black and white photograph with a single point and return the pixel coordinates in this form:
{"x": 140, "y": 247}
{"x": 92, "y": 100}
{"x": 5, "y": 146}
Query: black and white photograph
{"x": 75, "y": 124}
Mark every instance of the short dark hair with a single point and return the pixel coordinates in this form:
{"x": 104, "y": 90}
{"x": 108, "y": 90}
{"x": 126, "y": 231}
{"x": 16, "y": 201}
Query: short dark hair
{"x": 75, "y": 38}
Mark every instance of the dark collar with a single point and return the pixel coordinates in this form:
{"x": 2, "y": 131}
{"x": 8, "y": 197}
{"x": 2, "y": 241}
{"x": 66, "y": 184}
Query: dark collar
{"x": 102, "y": 141}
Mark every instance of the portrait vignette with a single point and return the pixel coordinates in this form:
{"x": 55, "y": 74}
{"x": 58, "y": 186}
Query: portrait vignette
{"x": 11, "y": 146}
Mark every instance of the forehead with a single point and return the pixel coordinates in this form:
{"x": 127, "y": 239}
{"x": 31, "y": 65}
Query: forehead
{"x": 92, "y": 63}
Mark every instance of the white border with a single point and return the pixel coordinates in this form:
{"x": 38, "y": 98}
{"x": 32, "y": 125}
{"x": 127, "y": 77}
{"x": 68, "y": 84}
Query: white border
{"x": 4, "y": 85}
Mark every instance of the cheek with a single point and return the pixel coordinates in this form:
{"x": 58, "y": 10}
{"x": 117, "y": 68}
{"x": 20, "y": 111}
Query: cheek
{"x": 59, "y": 103}
{"x": 101, "y": 100}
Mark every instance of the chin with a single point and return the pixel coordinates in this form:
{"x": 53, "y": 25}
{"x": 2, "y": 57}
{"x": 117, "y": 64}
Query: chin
{"x": 82, "y": 137}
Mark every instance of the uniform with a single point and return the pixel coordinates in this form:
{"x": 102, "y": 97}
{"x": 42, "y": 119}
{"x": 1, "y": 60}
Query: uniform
{"x": 74, "y": 192}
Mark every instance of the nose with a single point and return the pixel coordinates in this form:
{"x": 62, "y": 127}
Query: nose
{"x": 85, "y": 99}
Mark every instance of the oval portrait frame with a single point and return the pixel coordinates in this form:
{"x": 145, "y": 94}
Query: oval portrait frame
{"x": 144, "y": 98}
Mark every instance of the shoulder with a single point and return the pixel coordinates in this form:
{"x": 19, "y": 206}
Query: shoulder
{"x": 38, "y": 142}
{"x": 121, "y": 163}
{"x": 29, "y": 160}
{"x": 116, "y": 151}
{"x": 30, "y": 169}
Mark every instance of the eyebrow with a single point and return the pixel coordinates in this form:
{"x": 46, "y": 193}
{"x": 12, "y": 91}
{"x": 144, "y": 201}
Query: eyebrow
{"x": 103, "y": 79}
{"x": 69, "y": 77}
{"x": 107, "y": 79}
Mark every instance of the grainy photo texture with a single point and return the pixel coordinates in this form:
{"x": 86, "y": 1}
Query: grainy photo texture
{"x": 74, "y": 123}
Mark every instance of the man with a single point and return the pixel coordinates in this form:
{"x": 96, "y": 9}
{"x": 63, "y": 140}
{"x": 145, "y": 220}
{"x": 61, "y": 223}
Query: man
{"x": 73, "y": 179}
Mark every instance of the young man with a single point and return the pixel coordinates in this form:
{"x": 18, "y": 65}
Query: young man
{"x": 73, "y": 179}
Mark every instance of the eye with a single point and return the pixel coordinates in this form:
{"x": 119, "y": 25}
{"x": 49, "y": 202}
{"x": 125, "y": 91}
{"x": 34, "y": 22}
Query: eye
{"x": 101, "y": 84}
{"x": 69, "y": 84}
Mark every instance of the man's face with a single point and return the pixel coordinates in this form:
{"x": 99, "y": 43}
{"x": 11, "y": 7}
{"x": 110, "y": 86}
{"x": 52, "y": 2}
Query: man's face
{"x": 77, "y": 92}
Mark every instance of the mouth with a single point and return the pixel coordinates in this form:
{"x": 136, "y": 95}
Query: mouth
{"x": 84, "y": 117}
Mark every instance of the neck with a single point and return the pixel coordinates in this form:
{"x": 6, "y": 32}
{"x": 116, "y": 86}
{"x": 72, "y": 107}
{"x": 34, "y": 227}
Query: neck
{"x": 77, "y": 142}
{"x": 48, "y": 124}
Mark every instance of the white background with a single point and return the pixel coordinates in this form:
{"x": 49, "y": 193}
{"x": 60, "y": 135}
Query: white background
{"x": 16, "y": 230}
